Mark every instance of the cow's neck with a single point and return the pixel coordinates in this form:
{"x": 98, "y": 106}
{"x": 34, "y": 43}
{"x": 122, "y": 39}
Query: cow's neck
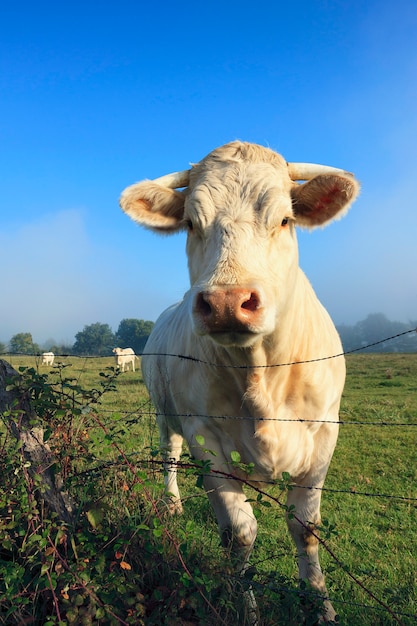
{"x": 267, "y": 372}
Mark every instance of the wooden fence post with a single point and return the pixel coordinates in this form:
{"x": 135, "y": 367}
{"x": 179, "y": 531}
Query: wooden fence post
{"x": 27, "y": 429}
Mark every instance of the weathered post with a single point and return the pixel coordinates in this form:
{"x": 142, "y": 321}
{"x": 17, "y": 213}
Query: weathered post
{"x": 26, "y": 426}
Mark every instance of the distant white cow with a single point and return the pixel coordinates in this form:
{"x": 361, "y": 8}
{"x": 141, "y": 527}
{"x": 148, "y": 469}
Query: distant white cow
{"x": 48, "y": 358}
{"x": 124, "y": 356}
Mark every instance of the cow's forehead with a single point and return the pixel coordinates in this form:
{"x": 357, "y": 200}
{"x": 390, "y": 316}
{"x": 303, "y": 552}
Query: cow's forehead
{"x": 236, "y": 180}
{"x": 235, "y": 188}
{"x": 239, "y": 162}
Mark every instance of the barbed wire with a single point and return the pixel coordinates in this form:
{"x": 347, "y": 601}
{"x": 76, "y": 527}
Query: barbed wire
{"x": 253, "y": 418}
{"x": 187, "y": 357}
{"x": 257, "y": 488}
{"x": 157, "y": 465}
{"x": 379, "y": 423}
{"x": 289, "y": 363}
{"x": 154, "y": 464}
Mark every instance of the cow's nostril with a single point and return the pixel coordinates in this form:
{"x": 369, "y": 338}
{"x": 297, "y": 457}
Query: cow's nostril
{"x": 252, "y": 304}
{"x": 202, "y": 306}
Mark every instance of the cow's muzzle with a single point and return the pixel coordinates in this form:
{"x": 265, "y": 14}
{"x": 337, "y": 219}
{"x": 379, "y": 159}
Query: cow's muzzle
{"x": 227, "y": 310}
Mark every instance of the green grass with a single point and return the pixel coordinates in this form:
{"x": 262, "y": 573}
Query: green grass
{"x": 372, "y": 474}
{"x": 377, "y": 538}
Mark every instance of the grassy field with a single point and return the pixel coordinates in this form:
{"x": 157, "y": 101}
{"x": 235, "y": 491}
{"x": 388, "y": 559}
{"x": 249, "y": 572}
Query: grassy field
{"x": 370, "y": 497}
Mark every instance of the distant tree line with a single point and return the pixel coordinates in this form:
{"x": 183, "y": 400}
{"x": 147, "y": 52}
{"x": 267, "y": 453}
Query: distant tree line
{"x": 94, "y": 340}
{"x": 376, "y": 328}
{"x": 99, "y": 340}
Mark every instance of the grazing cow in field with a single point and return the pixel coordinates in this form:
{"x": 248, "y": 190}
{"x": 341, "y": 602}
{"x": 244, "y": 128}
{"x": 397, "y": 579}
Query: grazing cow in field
{"x": 124, "y": 356}
{"x": 48, "y": 358}
{"x": 259, "y": 382}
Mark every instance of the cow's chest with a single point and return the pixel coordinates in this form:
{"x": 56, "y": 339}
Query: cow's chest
{"x": 262, "y": 427}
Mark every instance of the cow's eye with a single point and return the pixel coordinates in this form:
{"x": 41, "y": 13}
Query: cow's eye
{"x": 190, "y": 225}
{"x": 284, "y": 221}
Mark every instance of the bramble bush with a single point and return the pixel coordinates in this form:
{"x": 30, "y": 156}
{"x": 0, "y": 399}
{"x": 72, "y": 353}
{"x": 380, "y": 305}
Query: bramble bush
{"x": 122, "y": 560}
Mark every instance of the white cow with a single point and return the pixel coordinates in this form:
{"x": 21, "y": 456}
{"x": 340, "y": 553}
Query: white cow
{"x": 48, "y": 358}
{"x": 124, "y": 356}
{"x": 256, "y": 334}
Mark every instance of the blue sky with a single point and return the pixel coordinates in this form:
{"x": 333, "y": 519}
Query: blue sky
{"x": 96, "y": 96}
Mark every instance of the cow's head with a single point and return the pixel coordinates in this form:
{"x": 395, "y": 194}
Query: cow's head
{"x": 240, "y": 205}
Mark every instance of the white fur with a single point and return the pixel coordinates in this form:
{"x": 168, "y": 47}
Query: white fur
{"x": 124, "y": 357}
{"x": 254, "y": 392}
{"x": 48, "y": 358}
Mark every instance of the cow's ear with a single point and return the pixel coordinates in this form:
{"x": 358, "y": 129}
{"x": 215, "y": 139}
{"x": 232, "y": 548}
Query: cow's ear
{"x": 323, "y": 199}
{"x": 159, "y": 208}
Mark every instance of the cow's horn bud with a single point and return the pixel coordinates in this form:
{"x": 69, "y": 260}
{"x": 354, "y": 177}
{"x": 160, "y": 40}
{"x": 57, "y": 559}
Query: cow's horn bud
{"x": 307, "y": 171}
{"x": 176, "y": 180}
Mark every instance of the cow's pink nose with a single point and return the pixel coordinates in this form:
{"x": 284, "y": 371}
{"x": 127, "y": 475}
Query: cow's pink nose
{"x": 228, "y": 309}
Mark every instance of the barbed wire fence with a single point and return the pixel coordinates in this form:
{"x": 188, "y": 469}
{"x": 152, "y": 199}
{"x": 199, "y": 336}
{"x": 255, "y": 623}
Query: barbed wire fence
{"x": 228, "y": 366}
{"x": 259, "y": 488}
{"x": 134, "y": 459}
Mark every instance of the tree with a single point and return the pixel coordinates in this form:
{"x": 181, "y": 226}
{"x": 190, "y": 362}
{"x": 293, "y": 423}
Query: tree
{"x": 94, "y": 340}
{"x": 61, "y": 349}
{"x": 374, "y": 330}
{"x": 22, "y": 343}
{"x": 377, "y": 327}
{"x": 3, "y": 347}
{"x": 133, "y": 333}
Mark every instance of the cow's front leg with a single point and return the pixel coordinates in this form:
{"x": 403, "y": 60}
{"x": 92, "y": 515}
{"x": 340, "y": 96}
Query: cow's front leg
{"x": 237, "y": 523}
{"x": 303, "y": 529}
{"x": 171, "y": 445}
{"x": 237, "y": 528}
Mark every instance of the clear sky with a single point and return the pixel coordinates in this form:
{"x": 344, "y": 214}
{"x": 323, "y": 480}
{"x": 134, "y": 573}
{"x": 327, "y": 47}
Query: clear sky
{"x": 96, "y": 96}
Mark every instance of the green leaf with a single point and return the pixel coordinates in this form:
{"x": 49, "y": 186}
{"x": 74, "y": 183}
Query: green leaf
{"x": 46, "y": 435}
{"x": 200, "y": 440}
{"x": 95, "y": 515}
{"x": 235, "y": 456}
{"x": 44, "y": 568}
